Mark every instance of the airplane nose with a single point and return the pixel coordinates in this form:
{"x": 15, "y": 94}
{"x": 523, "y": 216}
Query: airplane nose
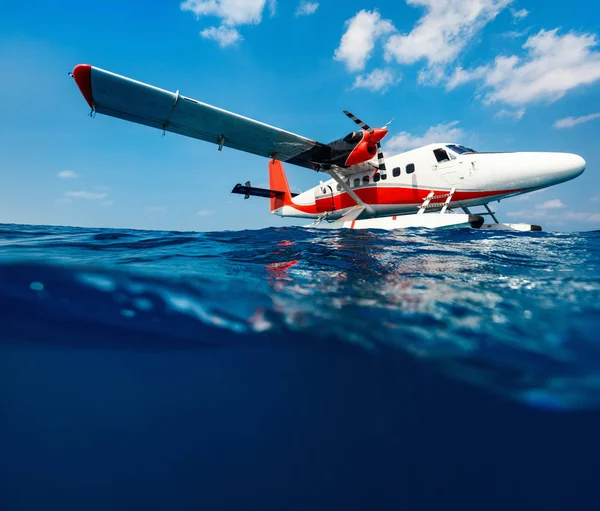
{"x": 563, "y": 166}
{"x": 532, "y": 169}
{"x": 575, "y": 165}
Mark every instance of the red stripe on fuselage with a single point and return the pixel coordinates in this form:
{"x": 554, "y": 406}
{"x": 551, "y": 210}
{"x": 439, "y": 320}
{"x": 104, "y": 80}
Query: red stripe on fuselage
{"x": 379, "y": 195}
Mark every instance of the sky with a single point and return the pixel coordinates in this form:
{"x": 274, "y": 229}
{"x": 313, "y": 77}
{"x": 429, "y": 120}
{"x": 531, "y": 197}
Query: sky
{"x": 496, "y": 75}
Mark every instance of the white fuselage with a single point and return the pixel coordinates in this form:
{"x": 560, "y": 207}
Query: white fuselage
{"x": 475, "y": 178}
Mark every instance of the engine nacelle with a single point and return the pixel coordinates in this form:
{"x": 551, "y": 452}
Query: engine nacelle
{"x": 355, "y": 148}
{"x": 367, "y": 148}
{"x": 362, "y": 152}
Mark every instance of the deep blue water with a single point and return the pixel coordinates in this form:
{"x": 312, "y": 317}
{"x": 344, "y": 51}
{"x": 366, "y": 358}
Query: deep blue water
{"x": 299, "y": 369}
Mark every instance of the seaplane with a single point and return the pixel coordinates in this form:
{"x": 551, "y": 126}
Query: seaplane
{"x": 434, "y": 186}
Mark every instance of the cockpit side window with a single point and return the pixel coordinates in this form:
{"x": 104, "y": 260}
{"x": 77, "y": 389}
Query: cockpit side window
{"x": 356, "y": 182}
{"x": 441, "y": 155}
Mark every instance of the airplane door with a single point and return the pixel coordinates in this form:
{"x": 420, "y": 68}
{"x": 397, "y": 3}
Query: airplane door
{"x": 448, "y": 167}
{"x": 324, "y": 198}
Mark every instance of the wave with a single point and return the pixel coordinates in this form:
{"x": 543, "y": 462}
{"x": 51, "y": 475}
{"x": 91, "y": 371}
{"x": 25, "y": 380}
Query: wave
{"x": 514, "y": 313}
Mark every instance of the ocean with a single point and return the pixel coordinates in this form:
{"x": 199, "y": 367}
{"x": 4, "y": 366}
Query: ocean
{"x": 299, "y": 369}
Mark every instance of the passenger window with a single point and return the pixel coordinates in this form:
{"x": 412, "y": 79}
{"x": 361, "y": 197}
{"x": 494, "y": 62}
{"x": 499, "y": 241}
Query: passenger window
{"x": 396, "y": 172}
{"x": 410, "y": 168}
{"x": 441, "y": 155}
{"x": 376, "y": 177}
{"x": 339, "y": 188}
{"x": 383, "y": 177}
{"x": 356, "y": 182}
{"x": 366, "y": 180}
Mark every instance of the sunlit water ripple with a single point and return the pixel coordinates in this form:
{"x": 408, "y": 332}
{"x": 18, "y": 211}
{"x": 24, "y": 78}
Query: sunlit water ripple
{"x": 515, "y": 313}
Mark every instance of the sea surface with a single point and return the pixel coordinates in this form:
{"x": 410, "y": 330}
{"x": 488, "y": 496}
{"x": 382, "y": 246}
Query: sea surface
{"x": 299, "y": 369}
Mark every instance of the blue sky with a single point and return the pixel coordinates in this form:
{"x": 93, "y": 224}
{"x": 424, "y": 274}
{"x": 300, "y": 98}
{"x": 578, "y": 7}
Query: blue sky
{"x": 492, "y": 74}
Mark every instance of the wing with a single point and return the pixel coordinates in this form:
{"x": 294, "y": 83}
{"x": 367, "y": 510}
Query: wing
{"x": 111, "y": 94}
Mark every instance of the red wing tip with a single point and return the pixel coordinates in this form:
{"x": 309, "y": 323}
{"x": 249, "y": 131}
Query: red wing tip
{"x": 82, "y": 74}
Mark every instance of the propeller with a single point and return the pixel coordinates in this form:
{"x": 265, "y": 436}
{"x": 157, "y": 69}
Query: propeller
{"x": 363, "y": 125}
{"x": 373, "y": 135}
{"x": 380, "y": 160}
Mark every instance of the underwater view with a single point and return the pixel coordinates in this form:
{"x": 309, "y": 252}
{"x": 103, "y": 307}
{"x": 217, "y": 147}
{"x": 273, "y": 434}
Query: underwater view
{"x": 293, "y": 368}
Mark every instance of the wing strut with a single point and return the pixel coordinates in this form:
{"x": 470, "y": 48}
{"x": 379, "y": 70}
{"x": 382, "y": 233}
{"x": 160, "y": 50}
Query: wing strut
{"x": 345, "y": 186}
{"x": 491, "y": 213}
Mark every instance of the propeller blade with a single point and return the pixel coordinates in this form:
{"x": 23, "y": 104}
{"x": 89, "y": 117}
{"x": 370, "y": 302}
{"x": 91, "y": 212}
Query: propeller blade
{"x": 359, "y": 122}
{"x": 389, "y": 122}
{"x": 380, "y": 160}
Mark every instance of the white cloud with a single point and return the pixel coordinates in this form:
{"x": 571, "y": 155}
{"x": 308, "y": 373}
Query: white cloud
{"x": 205, "y": 212}
{"x": 553, "y": 65}
{"x": 582, "y": 216}
{"x": 515, "y": 114}
{"x": 595, "y": 198}
{"x": 223, "y": 35}
{"x": 358, "y": 41}
{"x": 306, "y": 8}
{"x": 449, "y": 132}
{"x": 461, "y": 76}
{"x": 376, "y": 80}
{"x": 569, "y": 122}
{"x": 442, "y": 32}
{"x": 551, "y": 204}
{"x": 107, "y": 202}
{"x": 68, "y": 174}
{"x": 516, "y": 34}
{"x": 555, "y": 217}
{"x": 231, "y": 12}
{"x": 86, "y": 195}
{"x": 519, "y": 15}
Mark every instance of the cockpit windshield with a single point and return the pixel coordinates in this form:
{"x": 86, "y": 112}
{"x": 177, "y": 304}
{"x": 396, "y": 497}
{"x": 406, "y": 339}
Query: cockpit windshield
{"x": 460, "y": 149}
